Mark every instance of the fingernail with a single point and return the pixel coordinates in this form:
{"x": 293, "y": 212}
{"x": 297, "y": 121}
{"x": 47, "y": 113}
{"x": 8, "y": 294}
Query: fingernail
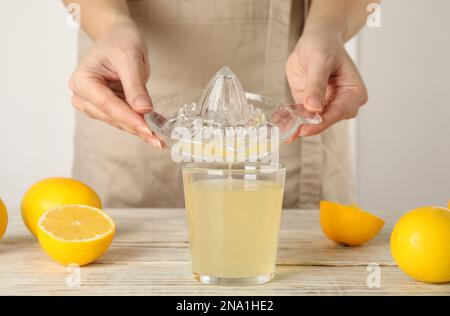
{"x": 304, "y": 132}
{"x": 143, "y": 103}
{"x": 144, "y": 131}
{"x": 315, "y": 103}
{"x": 162, "y": 143}
{"x": 154, "y": 142}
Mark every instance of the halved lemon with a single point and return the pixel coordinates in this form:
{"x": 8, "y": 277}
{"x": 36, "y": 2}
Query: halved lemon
{"x": 75, "y": 234}
{"x": 348, "y": 224}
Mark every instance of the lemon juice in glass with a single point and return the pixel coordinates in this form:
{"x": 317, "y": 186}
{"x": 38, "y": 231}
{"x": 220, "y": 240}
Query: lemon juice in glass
{"x": 234, "y": 218}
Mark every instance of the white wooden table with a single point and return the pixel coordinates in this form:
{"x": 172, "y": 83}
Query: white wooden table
{"x": 150, "y": 256}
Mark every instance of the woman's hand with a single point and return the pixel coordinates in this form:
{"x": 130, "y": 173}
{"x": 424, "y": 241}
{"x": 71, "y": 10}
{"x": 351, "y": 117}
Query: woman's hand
{"x": 109, "y": 83}
{"x": 323, "y": 77}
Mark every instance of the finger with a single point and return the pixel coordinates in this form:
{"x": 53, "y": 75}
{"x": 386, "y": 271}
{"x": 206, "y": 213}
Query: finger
{"x": 287, "y": 122}
{"x": 345, "y": 106}
{"x": 133, "y": 76}
{"x": 295, "y": 135}
{"x": 93, "y": 112}
{"x": 330, "y": 117}
{"x": 90, "y": 110}
{"x": 279, "y": 117}
{"x": 115, "y": 86}
{"x": 316, "y": 86}
{"x": 95, "y": 92}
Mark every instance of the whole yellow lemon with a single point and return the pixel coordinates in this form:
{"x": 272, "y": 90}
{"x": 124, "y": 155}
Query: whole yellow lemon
{"x": 52, "y": 192}
{"x": 420, "y": 244}
{"x": 3, "y": 219}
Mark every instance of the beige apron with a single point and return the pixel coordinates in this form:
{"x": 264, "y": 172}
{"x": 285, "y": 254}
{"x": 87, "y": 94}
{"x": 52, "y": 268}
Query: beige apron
{"x": 189, "y": 40}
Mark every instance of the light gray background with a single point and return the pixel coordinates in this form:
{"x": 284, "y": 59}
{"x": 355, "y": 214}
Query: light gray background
{"x": 402, "y": 152}
{"x": 403, "y": 138}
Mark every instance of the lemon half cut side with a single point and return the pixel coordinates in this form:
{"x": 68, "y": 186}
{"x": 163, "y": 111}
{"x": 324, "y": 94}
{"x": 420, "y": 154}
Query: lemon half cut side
{"x": 75, "y": 234}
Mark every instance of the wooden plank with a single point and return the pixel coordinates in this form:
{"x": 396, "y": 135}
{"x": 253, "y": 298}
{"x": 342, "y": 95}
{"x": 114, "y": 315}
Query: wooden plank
{"x": 150, "y": 255}
{"x": 174, "y": 278}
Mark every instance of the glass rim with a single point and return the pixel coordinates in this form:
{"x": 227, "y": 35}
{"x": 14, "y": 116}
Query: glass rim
{"x": 223, "y": 168}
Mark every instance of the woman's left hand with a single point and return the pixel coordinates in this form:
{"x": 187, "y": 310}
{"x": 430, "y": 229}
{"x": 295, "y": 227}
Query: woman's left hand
{"x": 323, "y": 77}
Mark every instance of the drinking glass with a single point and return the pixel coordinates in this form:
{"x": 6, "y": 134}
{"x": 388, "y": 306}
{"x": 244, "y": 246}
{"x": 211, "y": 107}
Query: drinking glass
{"x": 233, "y": 216}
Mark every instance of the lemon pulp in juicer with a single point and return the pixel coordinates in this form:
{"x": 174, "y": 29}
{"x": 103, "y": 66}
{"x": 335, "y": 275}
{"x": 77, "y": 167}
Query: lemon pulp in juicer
{"x": 233, "y": 226}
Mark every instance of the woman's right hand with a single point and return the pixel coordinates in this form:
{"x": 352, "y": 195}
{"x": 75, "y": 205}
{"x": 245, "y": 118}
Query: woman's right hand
{"x": 109, "y": 84}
